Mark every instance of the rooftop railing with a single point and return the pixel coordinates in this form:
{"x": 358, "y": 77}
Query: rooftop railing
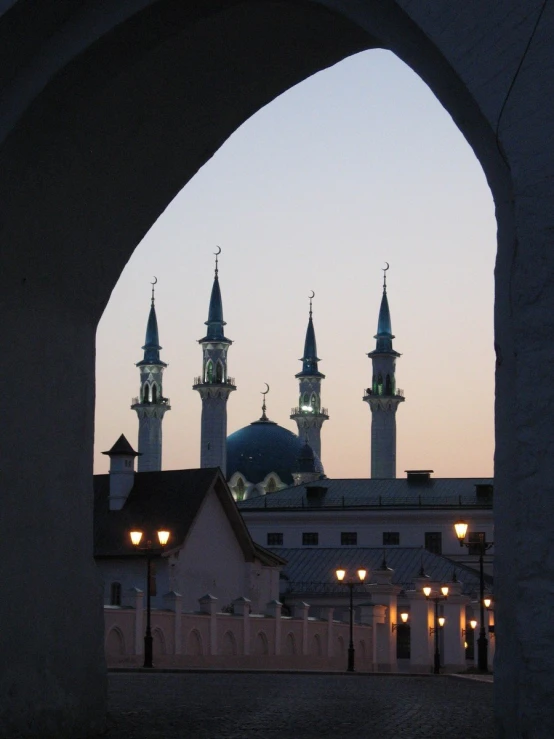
{"x": 381, "y": 501}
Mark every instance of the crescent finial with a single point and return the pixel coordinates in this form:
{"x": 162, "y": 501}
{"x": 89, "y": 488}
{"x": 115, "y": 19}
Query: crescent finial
{"x": 265, "y": 392}
{"x": 385, "y": 270}
{"x": 312, "y": 296}
{"x": 155, "y": 281}
{"x": 217, "y": 253}
{"x": 387, "y": 267}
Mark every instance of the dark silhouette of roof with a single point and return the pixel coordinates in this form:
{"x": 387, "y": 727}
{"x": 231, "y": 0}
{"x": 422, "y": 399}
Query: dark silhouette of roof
{"x": 122, "y": 448}
{"x": 168, "y": 500}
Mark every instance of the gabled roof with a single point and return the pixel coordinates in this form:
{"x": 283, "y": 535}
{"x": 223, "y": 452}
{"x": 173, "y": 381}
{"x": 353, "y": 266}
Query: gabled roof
{"x": 379, "y": 493}
{"x": 313, "y": 570}
{"x": 163, "y": 500}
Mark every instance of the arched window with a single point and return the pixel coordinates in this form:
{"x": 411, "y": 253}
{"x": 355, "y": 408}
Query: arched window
{"x": 146, "y": 393}
{"x": 271, "y": 485}
{"x": 306, "y": 400}
{"x": 379, "y": 384}
{"x": 154, "y": 393}
{"x": 209, "y": 371}
{"x": 239, "y": 489}
{"x": 314, "y": 403}
{"x": 219, "y": 372}
{"x": 115, "y": 594}
{"x": 388, "y": 386}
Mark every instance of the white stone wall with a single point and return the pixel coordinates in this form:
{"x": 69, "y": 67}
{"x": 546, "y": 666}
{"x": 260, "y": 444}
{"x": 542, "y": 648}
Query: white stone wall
{"x": 213, "y": 437}
{"x": 383, "y": 438}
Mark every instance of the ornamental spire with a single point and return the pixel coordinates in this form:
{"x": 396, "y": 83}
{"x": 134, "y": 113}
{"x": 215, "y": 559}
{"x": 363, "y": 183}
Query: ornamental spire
{"x": 152, "y": 346}
{"x": 215, "y": 322}
{"x": 384, "y": 333}
{"x": 310, "y": 358}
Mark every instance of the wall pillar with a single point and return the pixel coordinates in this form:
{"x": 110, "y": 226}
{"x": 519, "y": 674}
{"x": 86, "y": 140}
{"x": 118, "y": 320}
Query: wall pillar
{"x": 208, "y": 605}
{"x": 330, "y": 631}
{"x": 273, "y": 610}
{"x": 383, "y": 592}
{"x": 421, "y": 620}
{"x": 241, "y": 608}
{"x": 300, "y": 611}
{"x": 454, "y": 609}
{"x": 174, "y": 602}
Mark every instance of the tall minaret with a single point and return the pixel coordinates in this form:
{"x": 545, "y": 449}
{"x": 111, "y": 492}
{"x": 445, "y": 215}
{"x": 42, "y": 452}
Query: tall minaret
{"x": 383, "y": 396}
{"x": 309, "y": 415}
{"x": 214, "y": 385}
{"x": 151, "y": 404}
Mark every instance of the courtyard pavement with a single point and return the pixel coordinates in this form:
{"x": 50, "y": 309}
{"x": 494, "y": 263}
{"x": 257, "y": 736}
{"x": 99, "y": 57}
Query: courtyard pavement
{"x": 218, "y": 705}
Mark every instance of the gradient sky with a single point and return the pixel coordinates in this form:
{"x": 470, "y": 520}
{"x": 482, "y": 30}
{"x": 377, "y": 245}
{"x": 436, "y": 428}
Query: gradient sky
{"x": 358, "y": 165}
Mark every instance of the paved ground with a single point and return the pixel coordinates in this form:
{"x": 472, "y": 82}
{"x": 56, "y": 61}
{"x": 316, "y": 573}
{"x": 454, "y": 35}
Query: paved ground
{"x": 296, "y": 706}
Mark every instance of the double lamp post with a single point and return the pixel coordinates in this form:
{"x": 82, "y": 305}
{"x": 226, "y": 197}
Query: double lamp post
{"x": 150, "y": 552}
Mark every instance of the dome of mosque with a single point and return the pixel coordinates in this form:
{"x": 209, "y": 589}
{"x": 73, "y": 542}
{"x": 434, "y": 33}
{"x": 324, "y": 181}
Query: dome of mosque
{"x": 263, "y": 447}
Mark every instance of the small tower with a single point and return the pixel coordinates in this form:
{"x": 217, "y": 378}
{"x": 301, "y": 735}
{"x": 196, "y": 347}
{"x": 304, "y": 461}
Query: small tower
{"x": 151, "y": 405}
{"x": 383, "y": 396}
{"x": 309, "y": 415}
{"x": 306, "y": 467}
{"x": 122, "y": 472}
{"x": 214, "y": 385}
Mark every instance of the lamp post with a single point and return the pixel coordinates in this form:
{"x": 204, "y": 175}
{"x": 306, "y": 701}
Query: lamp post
{"x": 461, "y": 528}
{"x": 351, "y": 584}
{"x": 438, "y": 624}
{"x": 150, "y": 552}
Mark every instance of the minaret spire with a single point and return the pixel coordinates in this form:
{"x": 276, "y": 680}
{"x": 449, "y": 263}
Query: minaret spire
{"x": 150, "y": 405}
{"x": 383, "y": 397}
{"x": 214, "y": 385}
{"x": 309, "y": 415}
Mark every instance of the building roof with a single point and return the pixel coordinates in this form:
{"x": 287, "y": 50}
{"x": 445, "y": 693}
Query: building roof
{"x": 122, "y": 448}
{"x": 379, "y": 493}
{"x": 168, "y": 500}
{"x": 312, "y": 570}
{"x": 263, "y": 447}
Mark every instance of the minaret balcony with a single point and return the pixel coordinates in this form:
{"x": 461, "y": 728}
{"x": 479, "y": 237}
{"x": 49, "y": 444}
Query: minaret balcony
{"x": 228, "y": 382}
{"x": 369, "y": 393}
{"x": 159, "y": 401}
{"x": 306, "y": 410}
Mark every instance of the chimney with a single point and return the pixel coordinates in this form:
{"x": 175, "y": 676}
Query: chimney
{"x": 122, "y": 472}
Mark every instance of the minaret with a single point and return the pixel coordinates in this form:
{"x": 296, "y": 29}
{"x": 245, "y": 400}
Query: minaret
{"x": 309, "y": 415}
{"x": 214, "y": 385}
{"x": 151, "y": 404}
{"x": 383, "y": 396}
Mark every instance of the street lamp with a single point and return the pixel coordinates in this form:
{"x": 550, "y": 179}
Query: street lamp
{"x": 404, "y": 616}
{"x": 351, "y": 584}
{"x": 439, "y": 622}
{"x": 150, "y": 552}
{"x": 461, "y": 528}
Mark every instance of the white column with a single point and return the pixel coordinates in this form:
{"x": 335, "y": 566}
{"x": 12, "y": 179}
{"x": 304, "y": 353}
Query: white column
{"x": 300, "y": 611}
{"x": 383, "y": 592}
{"x": 454, "y": 609}
{"x": 208, "y": 605}
{"x": 273, "y": 610}
{"x": 174, "y": 602}
{"x": 241, "y": 608}
{"x": 421, "y": 620}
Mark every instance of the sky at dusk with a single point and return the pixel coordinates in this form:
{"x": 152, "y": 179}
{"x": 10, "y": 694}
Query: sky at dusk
{"x": 358, "y": 165}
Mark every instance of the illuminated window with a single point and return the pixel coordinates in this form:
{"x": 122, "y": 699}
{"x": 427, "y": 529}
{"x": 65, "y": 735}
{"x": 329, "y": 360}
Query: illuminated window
{"x": 271, "y": 486}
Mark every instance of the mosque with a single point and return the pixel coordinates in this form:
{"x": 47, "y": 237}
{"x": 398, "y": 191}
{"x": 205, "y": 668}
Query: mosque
{"x": 263, "y": 457}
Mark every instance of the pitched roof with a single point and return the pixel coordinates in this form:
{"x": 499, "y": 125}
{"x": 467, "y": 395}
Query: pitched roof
{"x": 374, "y": 493}
{"x": 122, "y": 448}
{"x": 313, "y": 570}
{"x": 167, "y": 500}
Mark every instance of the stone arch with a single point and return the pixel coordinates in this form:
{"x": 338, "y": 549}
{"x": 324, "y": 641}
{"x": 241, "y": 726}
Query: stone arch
{"x": 229, "y": 644}
{"x": 59, "y": 88}
{"x": 261, "y": 646}
{"x": 290, "y": 644}
{"x": 194, "y": 646}
{"x": 315, "y": 646}
{"x": 158, "y": 641}
{"x": 115, "y": 643}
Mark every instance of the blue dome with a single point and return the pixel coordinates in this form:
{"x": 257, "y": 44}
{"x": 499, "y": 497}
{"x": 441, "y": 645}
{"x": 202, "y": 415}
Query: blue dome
{"x": 264, "y": 447}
